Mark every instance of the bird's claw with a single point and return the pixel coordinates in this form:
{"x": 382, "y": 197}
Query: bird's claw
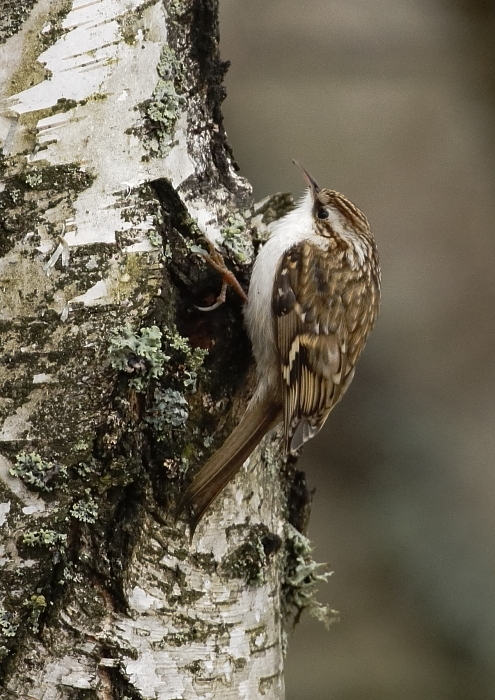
{"x": 215, "y": 259}
{"x": 220, "y": 300}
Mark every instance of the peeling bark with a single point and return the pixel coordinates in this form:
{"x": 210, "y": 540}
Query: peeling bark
{"x": 115, "y": 165}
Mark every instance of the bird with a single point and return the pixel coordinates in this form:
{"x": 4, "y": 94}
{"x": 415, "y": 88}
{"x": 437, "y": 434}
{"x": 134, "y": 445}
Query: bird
{"x": 313, "y": 299}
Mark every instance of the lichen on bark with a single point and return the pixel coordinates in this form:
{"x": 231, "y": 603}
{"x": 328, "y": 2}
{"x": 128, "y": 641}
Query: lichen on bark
{"x": 114, "y": 384}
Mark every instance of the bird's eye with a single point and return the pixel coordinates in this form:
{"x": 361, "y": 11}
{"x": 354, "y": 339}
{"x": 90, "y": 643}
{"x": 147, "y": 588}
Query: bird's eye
{"x": 322, "y": 214}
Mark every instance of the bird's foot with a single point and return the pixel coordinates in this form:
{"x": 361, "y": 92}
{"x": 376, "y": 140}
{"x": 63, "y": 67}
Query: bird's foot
{"x": 215, "y": 259}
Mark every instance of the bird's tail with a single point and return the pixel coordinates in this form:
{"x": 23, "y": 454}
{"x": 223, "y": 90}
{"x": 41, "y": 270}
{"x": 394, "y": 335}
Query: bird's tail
{"x": 259, "y": 418}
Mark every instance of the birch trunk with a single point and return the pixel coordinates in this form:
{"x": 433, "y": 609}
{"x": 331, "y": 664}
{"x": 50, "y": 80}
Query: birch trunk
{"x": 115, "y": 164}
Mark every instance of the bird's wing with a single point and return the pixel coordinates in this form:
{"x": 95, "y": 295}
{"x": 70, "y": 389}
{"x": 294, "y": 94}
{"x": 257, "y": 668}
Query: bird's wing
{"x": 317, "y": 325}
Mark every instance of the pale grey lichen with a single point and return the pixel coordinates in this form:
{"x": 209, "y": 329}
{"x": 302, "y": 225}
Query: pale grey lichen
{"x": 163, "y": 109}
{"x": 154, "y": 238}
{"x": 8, "y": 627}
{"x": 87, "y": 469}
{"x": 8, "y": 630}
{"x": 237, "y": 239}
{"x": 139, "y": 354}
{"x": 35, "y": 471}
{"x": 33, "y": 179}
{"x": 81, "y": 446}
{"x": 71, "y": 574}
{"x": 16, "y": 195}
{"x": 164, "y": 104}
{"x": 169, "y": 409}
{"x": 301, "y": 579}
{"x": 85, "y": 510}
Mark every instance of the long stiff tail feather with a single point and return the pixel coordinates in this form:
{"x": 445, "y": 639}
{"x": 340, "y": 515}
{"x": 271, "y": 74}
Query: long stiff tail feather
{"x": 227, "y": 460}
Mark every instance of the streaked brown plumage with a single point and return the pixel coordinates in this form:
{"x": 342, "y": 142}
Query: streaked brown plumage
{"x": 313, "y": 298}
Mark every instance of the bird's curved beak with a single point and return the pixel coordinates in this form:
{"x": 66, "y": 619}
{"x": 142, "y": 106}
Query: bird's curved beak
{"x": 311, "y": 182}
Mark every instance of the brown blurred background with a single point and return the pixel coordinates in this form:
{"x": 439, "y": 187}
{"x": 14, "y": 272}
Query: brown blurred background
{"x": 392, "y": 103}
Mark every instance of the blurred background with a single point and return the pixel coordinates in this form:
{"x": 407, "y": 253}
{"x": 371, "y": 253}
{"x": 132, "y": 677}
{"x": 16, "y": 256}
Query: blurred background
{"x": 392, "y": 103}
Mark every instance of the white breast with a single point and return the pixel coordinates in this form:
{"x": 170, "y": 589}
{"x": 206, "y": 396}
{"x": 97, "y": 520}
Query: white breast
{"x": 293, "y": 228}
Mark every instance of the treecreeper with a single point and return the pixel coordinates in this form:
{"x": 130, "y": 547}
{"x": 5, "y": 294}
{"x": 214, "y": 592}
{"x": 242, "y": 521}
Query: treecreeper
{"x": 313, "y": 299}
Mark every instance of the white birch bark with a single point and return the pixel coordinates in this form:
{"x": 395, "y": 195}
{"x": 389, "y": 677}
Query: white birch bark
{"x": 101, "y": 594}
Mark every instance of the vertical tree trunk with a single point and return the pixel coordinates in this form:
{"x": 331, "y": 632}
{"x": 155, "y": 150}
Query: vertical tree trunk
{"x": 115, "y": 164}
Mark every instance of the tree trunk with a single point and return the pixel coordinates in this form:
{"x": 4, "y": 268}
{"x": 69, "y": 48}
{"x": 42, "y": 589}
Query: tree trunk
{"x": 115, "y": 165}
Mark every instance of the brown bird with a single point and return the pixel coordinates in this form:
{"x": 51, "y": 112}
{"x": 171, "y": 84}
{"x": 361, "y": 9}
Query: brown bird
{"x": 313, "y": 298}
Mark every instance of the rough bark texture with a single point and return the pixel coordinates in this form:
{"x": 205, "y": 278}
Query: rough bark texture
{"x": 114, "y": 165}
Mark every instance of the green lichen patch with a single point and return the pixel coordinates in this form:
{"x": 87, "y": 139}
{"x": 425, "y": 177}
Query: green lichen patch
{"x": 166, "y": 363}
{"x": 36, "y": 605}
{"x": 33, "y": 180}
{"x": 38, "y": 473}
{"x": 189, "y": 360}
{"x": 301, "y": 578}
{"x": 161, "y": 111}
{"x": 172, "y": 401}
{"x": 237, "y": 239}
{"x": 57, "y": 178}
{"x": 45, "y": 537}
